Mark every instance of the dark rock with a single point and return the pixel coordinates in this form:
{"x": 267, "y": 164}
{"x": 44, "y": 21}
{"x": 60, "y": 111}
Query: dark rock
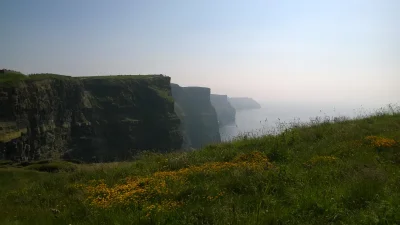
{"x": 225, "y": 112}
{"x": 107, "y": 117}
{"x": 198, "y": 116}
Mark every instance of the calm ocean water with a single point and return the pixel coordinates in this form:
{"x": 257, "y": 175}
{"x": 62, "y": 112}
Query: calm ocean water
{"x": 264, "y": 120}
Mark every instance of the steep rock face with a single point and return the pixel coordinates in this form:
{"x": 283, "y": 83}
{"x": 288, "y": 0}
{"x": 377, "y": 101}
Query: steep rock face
{"x": 225, "y": 112}
{"x": 93, "y": 119}
{"x": 244, "y": 103}
{"x": 198, "y": 116}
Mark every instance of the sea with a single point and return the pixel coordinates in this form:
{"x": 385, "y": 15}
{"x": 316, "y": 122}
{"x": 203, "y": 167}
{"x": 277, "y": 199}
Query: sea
{"x": 274, "y": 117}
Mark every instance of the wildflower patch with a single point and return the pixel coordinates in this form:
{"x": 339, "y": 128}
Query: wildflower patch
{"x": 158, "y": 192}
{"x": 381, "y": 142}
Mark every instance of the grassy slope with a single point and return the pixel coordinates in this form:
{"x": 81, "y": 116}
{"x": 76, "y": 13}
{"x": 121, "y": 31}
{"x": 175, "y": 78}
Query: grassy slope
{"x": 325, "y": 174}
{"x": 11, "y": 77}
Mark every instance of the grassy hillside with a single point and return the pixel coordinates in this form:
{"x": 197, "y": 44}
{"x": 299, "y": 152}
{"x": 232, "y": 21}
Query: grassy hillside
{"x": 346, "y": 172}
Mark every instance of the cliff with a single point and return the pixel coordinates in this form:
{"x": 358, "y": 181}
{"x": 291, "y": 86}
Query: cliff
{"x": 88, "y": 118}
{"x": 198, "y": 116}
{"x": 225, "y": 112}
{"x": 244, "y": 103}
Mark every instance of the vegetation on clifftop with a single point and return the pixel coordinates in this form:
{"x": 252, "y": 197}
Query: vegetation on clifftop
{"x": 10, "y": 77}
{"x": 346, "y": 172}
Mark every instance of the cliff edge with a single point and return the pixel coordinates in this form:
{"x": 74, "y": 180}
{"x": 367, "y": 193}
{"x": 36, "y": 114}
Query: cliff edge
{"x": 244, "y": 103}
{"x": 225, "y": 112}
{"x": 101, "y": 118}
{"x": 198, "y": 116}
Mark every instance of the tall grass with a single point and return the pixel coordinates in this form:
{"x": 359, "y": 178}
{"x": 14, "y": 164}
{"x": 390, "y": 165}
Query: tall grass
{"x": 335, "y": 171}
{"x": 281, "y": 126}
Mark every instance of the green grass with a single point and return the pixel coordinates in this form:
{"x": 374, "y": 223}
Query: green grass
{"x": 52, "y": 167}
{"x": 11, "y": 78}
{"x": 43, "y": 76}
{"x": 120, "y": 77}
{"x": 323, "y": 174}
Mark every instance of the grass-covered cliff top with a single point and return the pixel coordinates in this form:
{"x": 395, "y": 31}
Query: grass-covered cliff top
{"x": 123, "y": 77}
{"x": 10, "y": 77}
{"x": 7, "y": 76}
{"x": 347, "y": 172}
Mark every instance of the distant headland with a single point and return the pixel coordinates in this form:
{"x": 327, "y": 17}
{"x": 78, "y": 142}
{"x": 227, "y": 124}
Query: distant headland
{"x": 243, "y": 103}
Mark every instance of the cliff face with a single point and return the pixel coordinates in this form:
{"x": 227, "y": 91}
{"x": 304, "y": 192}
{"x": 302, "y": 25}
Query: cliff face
{"x": 225, "y": 112}
{"x": 198, "y": 116}
{"x": 96, "y": 118}
{"x": 244, "y": 103}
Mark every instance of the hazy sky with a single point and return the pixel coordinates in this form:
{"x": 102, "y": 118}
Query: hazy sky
{"x": 281, "y": 50}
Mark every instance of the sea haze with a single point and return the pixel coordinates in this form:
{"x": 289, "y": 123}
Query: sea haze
{"x": 263, "y": 121}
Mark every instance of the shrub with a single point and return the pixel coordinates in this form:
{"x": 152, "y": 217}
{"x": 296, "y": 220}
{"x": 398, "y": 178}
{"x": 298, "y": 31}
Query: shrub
{"x": 53, "y": 167}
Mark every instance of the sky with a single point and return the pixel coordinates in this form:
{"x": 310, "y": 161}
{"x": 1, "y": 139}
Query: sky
{"x": 283, "y": 50}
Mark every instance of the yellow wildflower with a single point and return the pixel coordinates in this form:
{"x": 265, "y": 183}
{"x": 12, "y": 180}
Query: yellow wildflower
{"x": 381, "y": 142}
{"x": 147, "y": 191}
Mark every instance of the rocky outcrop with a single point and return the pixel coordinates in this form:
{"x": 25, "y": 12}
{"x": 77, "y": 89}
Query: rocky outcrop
{"x": 225, "y": 112}
{"x": 244, "y": 103}
{"x": 88, "y": 118}
{"x": 198, "y": 116}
